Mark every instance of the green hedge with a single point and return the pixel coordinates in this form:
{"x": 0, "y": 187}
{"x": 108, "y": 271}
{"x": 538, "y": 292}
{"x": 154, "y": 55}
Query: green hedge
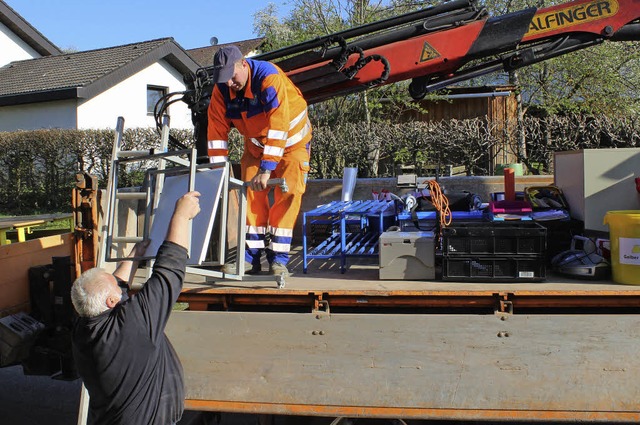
{"x": 378, "y": 151}
{"x": 38, "y": 168}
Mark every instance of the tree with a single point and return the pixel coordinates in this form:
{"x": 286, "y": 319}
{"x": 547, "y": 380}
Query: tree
{"x": 316, "y": 18}
{"x": 601, "y": 79}
{"x": 276, "y": 34}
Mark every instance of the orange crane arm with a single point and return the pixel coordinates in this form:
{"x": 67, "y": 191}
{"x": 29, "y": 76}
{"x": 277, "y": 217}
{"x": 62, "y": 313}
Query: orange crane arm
{"x": 432, "y": 45}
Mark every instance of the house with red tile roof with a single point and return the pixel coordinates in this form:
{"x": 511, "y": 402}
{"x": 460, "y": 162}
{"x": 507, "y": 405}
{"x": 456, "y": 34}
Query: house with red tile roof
{"x": 43, "y": 87}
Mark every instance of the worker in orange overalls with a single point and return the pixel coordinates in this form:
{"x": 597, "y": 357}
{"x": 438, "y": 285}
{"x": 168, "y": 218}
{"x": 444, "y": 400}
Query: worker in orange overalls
{"x": 258, "y": 99}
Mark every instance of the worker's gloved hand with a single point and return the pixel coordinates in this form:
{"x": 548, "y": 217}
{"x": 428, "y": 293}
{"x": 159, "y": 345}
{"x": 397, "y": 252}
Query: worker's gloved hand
{"x": 259, "y": 182}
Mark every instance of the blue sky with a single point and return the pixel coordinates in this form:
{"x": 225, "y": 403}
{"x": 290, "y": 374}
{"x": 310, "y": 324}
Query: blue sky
{"x": 93, "y": 24}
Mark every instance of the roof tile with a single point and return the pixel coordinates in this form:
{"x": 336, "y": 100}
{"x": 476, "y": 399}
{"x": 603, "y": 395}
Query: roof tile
{"x": 204, "y": 55}
{"x": 70, "y": 70}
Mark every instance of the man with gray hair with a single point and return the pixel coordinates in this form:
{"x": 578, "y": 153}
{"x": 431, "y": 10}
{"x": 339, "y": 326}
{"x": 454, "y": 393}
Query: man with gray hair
{"x": 127, "y": 364}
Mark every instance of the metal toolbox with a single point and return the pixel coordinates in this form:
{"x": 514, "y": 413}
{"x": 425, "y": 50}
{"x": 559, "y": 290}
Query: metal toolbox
{"x": 407, "y": 255}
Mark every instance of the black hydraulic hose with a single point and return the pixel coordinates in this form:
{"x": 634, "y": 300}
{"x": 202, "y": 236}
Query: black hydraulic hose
{"x": 389, "y": 37}
{"x": 629, "y": 32}
{"x": 384, "y": 38}
{"x": 368, "y": 28}
{"x": 158, "y": 111}
{"x": 512, "y": 61}
{"x": 551, "y": 49}
{"x": 162, "y": 104}
{"x": 478, "y": 71}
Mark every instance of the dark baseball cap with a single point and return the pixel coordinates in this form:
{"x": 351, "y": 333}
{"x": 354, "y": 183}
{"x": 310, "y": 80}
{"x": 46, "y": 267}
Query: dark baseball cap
{"x": 224, "y": 61}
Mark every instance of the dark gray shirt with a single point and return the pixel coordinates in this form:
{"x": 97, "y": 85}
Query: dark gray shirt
{"x": 124, "y": 358}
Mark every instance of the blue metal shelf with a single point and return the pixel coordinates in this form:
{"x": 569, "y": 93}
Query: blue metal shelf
{"x": 352, "y": 232}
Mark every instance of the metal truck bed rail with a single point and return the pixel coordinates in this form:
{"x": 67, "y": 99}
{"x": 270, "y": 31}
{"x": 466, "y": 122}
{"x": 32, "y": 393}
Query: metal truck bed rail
{"x": 412, "y": 366}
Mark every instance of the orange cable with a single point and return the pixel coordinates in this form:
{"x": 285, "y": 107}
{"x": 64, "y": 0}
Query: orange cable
{"x": 440, "y": 202}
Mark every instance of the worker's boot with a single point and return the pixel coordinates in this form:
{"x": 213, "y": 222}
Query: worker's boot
{"x": 278, "y": 269}
{"x": 249, "y": 268}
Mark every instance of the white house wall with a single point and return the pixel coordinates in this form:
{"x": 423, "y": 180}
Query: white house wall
{"x": 12, "y": 48}
{"x": 129, "y": 100}
{"x": 59, "y": 114}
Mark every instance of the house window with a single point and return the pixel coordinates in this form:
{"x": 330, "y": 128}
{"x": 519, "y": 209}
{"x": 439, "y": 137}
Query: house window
{"x": 154, "y": 94}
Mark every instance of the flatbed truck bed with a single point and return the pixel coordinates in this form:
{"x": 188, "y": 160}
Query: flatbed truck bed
{"x": 350, "y": 345}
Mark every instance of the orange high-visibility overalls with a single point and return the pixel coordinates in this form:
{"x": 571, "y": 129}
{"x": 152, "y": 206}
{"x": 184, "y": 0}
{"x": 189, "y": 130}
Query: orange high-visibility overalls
{"x": 272, "y": 117}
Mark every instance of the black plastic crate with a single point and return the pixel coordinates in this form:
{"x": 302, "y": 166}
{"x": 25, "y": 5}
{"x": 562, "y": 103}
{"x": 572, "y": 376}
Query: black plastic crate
{"x": 494, "y": 238}
{"x": 494, "y": 269}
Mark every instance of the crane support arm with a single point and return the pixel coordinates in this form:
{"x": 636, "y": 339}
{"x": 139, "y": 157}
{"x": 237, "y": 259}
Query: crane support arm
{"x": 432, "y": 45}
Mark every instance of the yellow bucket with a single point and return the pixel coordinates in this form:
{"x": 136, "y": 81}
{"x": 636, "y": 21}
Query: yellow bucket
{"x": 624, "y": 233}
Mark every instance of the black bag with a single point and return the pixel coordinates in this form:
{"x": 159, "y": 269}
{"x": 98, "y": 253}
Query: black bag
{"x": 458, "y": 201}
{"x": 464, "y": 201}
{"x": 423, "y": 203}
